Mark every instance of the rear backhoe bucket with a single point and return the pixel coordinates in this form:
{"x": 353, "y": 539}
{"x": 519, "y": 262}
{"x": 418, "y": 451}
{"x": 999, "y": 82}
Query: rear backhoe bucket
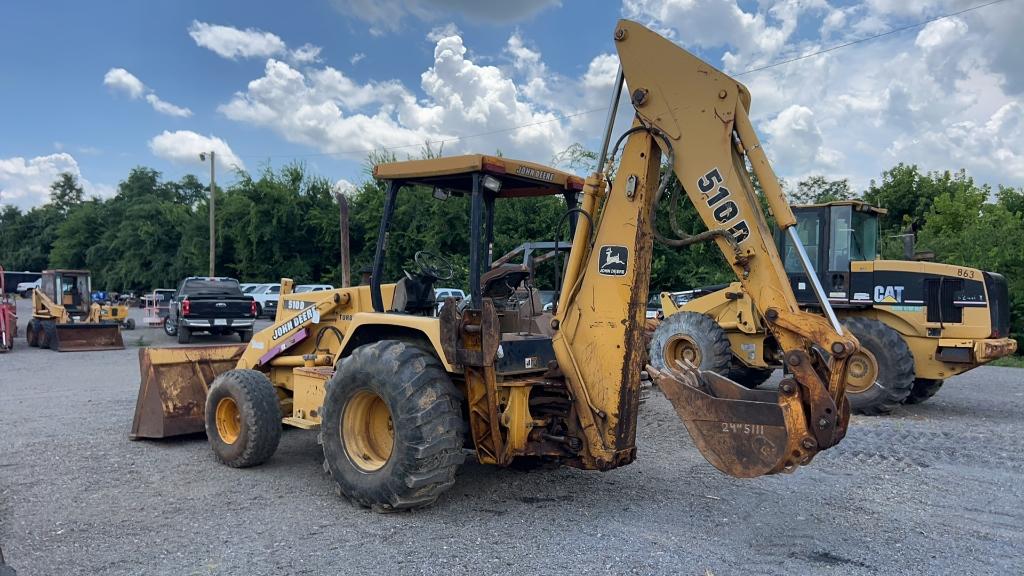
{"x": 87, "y": 337}
{"x": 742, "y": 432}
{"x": 172, "y": 392}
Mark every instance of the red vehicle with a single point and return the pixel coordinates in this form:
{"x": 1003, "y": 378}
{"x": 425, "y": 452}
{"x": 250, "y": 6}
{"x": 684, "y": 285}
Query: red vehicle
{"x": 8, "y": 317}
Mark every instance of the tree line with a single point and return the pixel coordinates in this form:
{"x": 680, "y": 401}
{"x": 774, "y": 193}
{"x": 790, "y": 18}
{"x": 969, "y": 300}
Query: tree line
{"x": 284, "y": 223}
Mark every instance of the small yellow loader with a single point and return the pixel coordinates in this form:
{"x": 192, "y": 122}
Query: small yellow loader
{"x": 64, "y": 318}
{"x": 918, "y": 322}
{"x": 399, "y": 392}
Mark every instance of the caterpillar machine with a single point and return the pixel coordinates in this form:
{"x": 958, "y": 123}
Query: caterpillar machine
{"x": 398, "y": 395}
{"x": 918, "y": 322}
{"x": 64, "y": 317}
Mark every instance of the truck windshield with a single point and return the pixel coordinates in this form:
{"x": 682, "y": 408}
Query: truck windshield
{"x": 199, "y": 286}
{"x": 854, "y": 237}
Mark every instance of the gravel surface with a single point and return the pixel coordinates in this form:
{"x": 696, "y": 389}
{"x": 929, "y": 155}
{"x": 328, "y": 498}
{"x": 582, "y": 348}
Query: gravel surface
{"x": 935, "y": 489}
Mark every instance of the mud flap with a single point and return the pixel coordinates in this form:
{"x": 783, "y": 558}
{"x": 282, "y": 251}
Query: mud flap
{"x": 87, "y": 337}
{"x": 744, "y": 433}
{"x": 172, "y": 392}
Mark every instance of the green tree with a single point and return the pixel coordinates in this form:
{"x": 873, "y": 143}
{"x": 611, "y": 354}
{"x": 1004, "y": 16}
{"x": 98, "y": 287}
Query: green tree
{"x": 818, "y": 190}
{"x": 66, "y": 193}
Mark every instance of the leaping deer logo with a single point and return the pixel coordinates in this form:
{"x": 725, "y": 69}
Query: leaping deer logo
{"x": 611, "y": 258}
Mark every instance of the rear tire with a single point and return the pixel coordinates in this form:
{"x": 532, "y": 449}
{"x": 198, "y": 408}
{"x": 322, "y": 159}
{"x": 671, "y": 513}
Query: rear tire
{"x": 410, "y": 459}
{"x": 259, "y": 310}
{"x": 48, "y": 334}
{"x": 895, "y": 368}
{"x": 32, "y": 333}
{"x": 747, "y": 376}
{"x": 184, "y": 335}
{"x": 695, "y": 337}
{"x": 243, "y": 418}
{"x": 923, "y": 389}
{"x": 245, "y": 335}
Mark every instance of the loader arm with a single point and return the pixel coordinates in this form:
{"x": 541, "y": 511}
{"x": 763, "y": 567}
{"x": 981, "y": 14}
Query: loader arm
{"x": 696, "y": 117}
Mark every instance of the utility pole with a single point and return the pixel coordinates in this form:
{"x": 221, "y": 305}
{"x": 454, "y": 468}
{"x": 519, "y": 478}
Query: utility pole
{"x": 346, "y": 273}
{"x": 213, "y": 226}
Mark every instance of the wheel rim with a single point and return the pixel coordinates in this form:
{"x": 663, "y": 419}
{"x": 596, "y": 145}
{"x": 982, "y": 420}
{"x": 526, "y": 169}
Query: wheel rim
{"x": 682, "y": 347}
{"x": 367, "y": 431}
{"x": 861, "y": 371}
{"x": 229, "y": 420}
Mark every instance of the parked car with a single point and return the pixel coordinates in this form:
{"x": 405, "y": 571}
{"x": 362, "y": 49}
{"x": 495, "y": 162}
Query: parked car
{"x": 266, "y": 296}
{"x": 247, "y": 288}
{"x": 26, "y": 288}
{"x": 442, "y": 294}
{"x": 212, "y": 305}
{"x": 312, "y": 288}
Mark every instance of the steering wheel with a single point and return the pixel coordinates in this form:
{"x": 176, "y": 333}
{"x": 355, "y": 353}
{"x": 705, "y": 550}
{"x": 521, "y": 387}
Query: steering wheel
{"x": 434, "y": 266}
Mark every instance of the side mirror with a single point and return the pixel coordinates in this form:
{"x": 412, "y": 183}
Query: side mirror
{"x": 441, "y": 193}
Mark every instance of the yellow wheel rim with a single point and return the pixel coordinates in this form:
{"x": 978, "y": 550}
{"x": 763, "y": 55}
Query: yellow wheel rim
{"x": 367, "y": 431}
{"x": 682, "y": 347}
{"x": 861, "y": 371}
{"x": 229, "y": 420}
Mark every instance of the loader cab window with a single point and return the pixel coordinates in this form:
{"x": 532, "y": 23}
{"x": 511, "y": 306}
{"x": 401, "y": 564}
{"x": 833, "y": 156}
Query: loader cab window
{"x": 853, "y": 237}
{"x": 809, "y": 224}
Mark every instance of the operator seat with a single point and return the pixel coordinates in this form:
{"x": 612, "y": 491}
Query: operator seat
{"x": 414, "y": 295}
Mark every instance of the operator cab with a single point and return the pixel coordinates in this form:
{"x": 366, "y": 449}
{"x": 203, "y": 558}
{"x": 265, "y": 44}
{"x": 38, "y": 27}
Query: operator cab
{"x": 834, "y": 235}
{"x": 71, "y": 289}
{"x": 507, "y": 284}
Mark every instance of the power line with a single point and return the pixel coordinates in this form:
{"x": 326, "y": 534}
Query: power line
{"x": 443, "y": 141}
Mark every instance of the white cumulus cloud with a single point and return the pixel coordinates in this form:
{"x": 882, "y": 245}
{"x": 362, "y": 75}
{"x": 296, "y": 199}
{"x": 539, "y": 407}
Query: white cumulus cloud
{"x": 25, "y": 182}
{"x": 230, "y": 42}
{"x": 122, "y": 80}
{"x": 389, "y": 15}
{"x": 184, "y": 147}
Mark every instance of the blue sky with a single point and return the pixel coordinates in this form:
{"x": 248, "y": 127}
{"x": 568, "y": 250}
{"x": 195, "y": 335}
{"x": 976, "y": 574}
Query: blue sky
{"x": 99, "y": 87}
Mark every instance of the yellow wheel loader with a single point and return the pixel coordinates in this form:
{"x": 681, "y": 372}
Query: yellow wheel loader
{"x": 918, "y": 322}
{"x": 400, "y": 393}
{"x": 65, "y": 318}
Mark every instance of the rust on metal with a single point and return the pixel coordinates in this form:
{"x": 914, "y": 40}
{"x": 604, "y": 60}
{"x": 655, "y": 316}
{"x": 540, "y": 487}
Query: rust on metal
{"x": 173, "y": 387}
{"x": 88, "y": 337}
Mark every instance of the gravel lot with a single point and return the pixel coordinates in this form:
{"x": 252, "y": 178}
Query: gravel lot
{"x": 935, "y": 489}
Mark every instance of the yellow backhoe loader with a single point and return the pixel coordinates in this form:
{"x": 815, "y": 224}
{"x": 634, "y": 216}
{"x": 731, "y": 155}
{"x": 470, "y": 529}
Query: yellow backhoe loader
{"x": 398, "y": 393}
{"x": 65, "y": 318}
{"x": 918, "y": 322}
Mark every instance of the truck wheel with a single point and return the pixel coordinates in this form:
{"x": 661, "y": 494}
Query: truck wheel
{"x": 184, "y": 335}
{"x": 750, "y": 377}
{"x": 32, "y": 333}
{"x": 170, "y": 327}
{"x": 881, "y": 374}
{"x": 259, "y": 310}
{"x": 692, "y": 336}
{"x": 392, "y": 427}
{"x": 243, "y": 418}
{"x": 923, "y": 389}
{"x": 245, "y": 335}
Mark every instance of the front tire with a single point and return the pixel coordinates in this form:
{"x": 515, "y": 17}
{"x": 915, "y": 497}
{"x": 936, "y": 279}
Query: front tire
{"x": 170, "y": 327}
{"x": 881, "y": 375}
{"x": 923, "y": 389}
{"x": 747, "y": 376}
{"x": 129, "y": 324}
{"x": 243, "y": 418}
{"x": 694, "y": 337}
{"x": 392, "y": 427}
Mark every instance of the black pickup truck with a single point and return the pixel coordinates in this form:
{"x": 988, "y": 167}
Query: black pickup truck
{"x": 212, "y": 305}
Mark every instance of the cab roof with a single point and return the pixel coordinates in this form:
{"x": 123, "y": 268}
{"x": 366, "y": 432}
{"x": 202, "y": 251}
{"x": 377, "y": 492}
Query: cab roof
{"x": 858, "y": 206}
{"x": 518, "y": 177}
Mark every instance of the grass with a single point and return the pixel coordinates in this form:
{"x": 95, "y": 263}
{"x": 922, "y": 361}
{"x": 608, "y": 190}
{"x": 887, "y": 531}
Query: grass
{"x": 1015, "y": 361}
{"x": 142, "y": 342}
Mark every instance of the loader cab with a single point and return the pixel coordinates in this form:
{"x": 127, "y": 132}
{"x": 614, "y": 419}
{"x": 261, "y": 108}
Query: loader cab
{"x": 68, "y": 288}
{"x": 834, "y": 234}
{"x": 483, "y": 180}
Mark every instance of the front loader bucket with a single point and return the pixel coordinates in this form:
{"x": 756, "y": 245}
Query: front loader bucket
{"x": 742, "y": 432}
{"x": 87, "y": 337}
{"x": 172, "y": 392}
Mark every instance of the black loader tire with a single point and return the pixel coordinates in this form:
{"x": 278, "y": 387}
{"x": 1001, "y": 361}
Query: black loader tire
{"x": 696, "y": 332}
{"x": 258, "y": 418}
{"x": 895, "y": 368}
{"x": 48, "y": 335}
{"x": 747, "y": 376}
{"x": 923, "y": 389}
{"x": 424, "y": 419}
{"x": 32, "y": 333}
{"x": 184, "y": 335}
{"x": 129, "y": 324}
{"x": 170, "y": 327}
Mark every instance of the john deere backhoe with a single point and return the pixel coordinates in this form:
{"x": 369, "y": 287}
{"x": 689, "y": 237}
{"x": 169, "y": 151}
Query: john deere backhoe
{"x": 65, "y": 318}
{"x": 398, "y": 393}
{"x": 918, "y": 322}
